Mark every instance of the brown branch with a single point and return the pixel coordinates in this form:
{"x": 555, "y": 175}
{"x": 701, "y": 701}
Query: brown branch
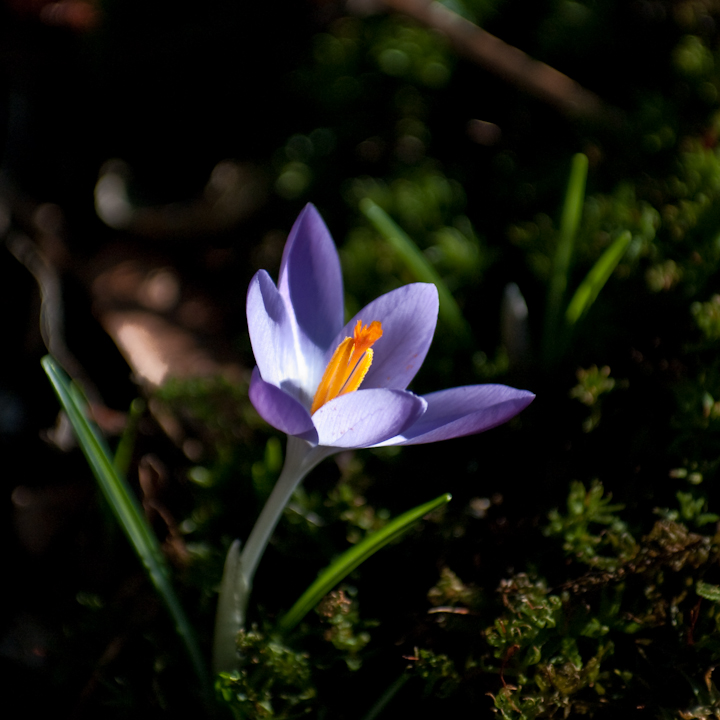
{"x": 52, "y": 327}
{"x": 505, "y": 61}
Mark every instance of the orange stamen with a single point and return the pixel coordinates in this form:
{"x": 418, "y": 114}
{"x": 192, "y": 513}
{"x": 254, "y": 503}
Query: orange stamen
{"x": 349, "y": 364}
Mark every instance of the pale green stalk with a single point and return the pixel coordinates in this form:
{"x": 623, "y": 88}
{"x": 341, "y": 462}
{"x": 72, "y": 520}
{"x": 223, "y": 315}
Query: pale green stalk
{"x": 240, "y": 567}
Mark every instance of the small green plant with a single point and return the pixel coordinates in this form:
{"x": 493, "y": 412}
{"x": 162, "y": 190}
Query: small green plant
{"x": 590, "y": 526}
{"x": 273, "y": 681}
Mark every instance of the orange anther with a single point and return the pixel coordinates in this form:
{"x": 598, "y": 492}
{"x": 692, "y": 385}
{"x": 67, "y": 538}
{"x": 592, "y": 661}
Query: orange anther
{"x": 349, "y": 364}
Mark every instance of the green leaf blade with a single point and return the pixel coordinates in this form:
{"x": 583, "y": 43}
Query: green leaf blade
{"x": 417, "y": 264}
{"x": 569, "y": 224}
{"x": 352, "y": 558}
{"x": 595, "y": 280}
{"x": 125, "y": 507}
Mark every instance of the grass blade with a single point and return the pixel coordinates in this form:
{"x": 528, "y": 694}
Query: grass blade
{"x": 126, "y": 446}
{"x": 569, "y": 223}
{"x": 417, "y": 264}
{"x": 594, "y": 281}
{"x": 350, "y": 559}
{"x": 386, "y": 697}
{"x": 125, "y": 506}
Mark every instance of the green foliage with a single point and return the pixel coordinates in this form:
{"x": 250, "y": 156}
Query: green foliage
{"x": 451, "y": 591}
{"x": 689, "y": 208}
{"x": 692, "y": 510}
{"x": 423, "y": 200}
{"x": 692, "y": 58}
{"x": 523, "y": 628}
{"x": 126, "y": 446}
{"x": 561, "y": 650}
{"x": 562, "y": 257}
{"x": 707, "y": 591}
{"x": 444, "y": 248}
{"x": 351, "y": 507}
{"x": 599, "y": 274}
{"x": 707, "y": 317}
{"x": 405, "y": 50}
{"x": 213, "y": 407}
{"x": 593, "y": 383}
{"x": 587, "y": 509}
{"x": 274, "y": 681}
{"x": 339, "y": 610}
{"x": 604, "y": 217}
{"x": 355, "y": 556}
{"x": 437, "y": 671}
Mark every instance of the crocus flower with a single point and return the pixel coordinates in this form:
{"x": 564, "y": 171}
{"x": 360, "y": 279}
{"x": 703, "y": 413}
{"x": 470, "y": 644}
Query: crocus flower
{"x": 296, "y": 329}
{"x": 331, "y": 385}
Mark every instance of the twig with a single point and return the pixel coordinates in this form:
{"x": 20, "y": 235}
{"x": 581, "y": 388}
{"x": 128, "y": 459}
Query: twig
{"x": 52, "y": 327}
{"x": 506, "y": 61}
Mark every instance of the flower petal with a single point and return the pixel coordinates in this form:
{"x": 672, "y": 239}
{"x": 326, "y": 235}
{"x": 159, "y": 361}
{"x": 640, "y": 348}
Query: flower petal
{"x": 366, "y": 417}
{"x": 281, "y": 410}
{"x": 311, "y": 280}
{"x": 463, "y": 411}
{"x": 271, "y": 331}
{"x": 408, "y": 316}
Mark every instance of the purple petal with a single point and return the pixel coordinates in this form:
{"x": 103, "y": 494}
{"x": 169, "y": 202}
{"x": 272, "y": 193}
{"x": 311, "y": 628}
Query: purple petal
{"x": 281, "y": 410}
{"x": 366, "y": 417}
{"x": 271, "y": 332}
{"x": 408, "y": 316}
{"x": 311, "y": 280}
{"x": 463, "y": 411}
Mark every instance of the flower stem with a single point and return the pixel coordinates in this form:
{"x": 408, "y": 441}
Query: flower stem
{"x": 300, "y": 459}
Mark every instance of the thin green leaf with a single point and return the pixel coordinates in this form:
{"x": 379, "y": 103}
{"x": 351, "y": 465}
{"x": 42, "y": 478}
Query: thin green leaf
{"x": 351, "y": 558}
{"x": 126, "y": 446}
{"x": 416, "y": 263}
{"x": 569, "y": 223}
{"x": 594, "y": 281}
{"x": 386, "y": 697}
{"x": 125, "y": 506}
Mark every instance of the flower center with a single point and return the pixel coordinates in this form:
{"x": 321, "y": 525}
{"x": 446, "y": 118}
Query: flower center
{"x": 348, "y": 365}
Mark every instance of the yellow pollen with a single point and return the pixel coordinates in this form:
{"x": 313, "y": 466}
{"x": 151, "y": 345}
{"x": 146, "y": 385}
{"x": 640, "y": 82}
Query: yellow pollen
{"x": 349, "y": 364}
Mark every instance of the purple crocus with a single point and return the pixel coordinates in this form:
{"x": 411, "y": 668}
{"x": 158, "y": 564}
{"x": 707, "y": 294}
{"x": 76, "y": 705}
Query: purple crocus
{"x": 296, "y": 328}
{"x": 332, "y": 386}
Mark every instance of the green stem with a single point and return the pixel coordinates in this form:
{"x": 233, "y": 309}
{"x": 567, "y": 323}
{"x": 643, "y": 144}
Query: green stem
{"x": 240, "y": 568}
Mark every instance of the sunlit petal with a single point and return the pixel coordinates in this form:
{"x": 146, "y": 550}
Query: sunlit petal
{"x": 366, "y": 417}
{"x": 311, "y": 279}
{"x": 408, "y": 316}
{"x": 270, "y": 330}
{"x": 279, "y": 409}
{"x": 463, "y": 411}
